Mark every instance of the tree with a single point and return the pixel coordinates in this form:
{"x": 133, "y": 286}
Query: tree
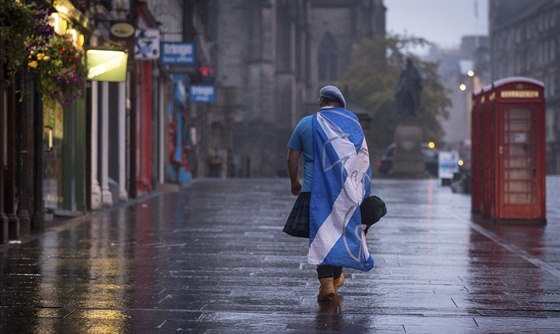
{"x": 371, "y": 81}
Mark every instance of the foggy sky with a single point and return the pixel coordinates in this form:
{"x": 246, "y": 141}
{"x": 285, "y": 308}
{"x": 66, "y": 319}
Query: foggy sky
{"x": 443, "y": 22}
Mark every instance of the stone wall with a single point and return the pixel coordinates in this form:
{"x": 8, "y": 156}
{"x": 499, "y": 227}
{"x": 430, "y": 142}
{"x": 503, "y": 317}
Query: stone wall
{"x": 269, "y": 51}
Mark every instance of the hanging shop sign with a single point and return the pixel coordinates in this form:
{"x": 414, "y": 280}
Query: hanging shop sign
{"x": 178, "y": 53}
{"x": 106, "y": 65}
{"x": 202, "y": 94}
{"x": 122, "y": 29}
{"x": 147, "y": 44}
{"x": 180, "y": 90}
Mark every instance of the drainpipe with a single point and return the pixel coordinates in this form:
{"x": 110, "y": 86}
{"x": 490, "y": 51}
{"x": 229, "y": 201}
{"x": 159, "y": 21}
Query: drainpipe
{"x": 38, "y": 220}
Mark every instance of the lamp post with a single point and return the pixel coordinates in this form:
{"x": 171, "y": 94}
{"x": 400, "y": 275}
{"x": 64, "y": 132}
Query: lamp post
{"x": 470, "y": 84}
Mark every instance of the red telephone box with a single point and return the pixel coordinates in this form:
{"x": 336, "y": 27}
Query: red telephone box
{"x": 487, "y": 163}
{"x": 481, "y": 135}
{"x": 476, "y": 159}
{"x": 512, "y": 150}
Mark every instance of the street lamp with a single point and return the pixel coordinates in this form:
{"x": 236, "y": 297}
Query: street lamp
{"x": 471, "y": 84}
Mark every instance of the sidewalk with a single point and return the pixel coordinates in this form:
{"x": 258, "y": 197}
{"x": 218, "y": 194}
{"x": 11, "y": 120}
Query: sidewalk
{"x": 211, "y": 258}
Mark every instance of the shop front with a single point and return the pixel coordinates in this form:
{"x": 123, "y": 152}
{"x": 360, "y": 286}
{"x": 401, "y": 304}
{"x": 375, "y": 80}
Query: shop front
{"x": 64, "y": 157}
{"x": 64, "y": 125}
{"x": 43, "y": 114}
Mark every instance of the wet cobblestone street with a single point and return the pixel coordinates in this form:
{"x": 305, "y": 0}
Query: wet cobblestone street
{"x": 212, "y": 258}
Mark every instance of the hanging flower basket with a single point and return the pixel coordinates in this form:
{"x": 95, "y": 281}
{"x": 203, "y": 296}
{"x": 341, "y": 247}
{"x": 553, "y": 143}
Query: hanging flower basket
{"x": 32, "y": 43}
{"x": 16, "y": 23}
{"x": 60, "y": 67}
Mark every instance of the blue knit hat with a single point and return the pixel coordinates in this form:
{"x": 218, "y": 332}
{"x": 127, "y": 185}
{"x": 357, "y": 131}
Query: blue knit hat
{"x": 332, "y": 93}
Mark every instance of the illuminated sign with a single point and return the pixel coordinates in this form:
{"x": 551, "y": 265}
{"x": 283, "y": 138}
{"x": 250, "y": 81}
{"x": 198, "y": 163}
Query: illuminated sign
{"x": 519, "y": 94}
{"x": 178, "y": 53}
{"x": 106, "y": 65}
{"x": 202, "y": 93}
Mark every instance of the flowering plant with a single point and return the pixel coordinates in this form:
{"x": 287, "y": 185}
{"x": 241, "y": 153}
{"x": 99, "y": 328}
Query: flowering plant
{"x": 60, "y": 66}
{"x": 58, "y": 62}
{"x": 16, "y": 23}
{"x": 32, "y": 42}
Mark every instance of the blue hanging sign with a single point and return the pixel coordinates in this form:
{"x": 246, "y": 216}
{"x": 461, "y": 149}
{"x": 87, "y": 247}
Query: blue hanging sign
{"x": 176, "y": 53}
{"x": 202, "y": 93}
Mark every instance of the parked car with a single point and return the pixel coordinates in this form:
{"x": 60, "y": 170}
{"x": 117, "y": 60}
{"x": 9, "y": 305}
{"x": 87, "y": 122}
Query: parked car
{"x": 430, "y": 155}
{"x": 461, "y": 182}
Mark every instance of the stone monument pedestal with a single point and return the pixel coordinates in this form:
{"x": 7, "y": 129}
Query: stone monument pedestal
{"x": 408, "y": 161}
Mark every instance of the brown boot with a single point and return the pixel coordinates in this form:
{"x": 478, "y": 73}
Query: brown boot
{"x": 326, "y": 291}
{"x": 338, "y": 282}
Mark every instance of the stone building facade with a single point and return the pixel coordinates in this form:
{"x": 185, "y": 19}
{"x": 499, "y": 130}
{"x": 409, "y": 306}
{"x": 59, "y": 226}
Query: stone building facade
{"x": 525, "y": 42}
{"x": 271, "y": 58}
{"x": 453, "y": 70}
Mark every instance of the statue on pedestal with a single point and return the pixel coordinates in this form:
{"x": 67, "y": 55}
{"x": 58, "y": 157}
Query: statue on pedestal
{"x": 408, "y": 161}
{"x": 407, "y": 96}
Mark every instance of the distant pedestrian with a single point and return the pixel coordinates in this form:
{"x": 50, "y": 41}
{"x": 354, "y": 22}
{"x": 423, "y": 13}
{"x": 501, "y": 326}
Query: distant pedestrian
{"x": 336, "y": 178}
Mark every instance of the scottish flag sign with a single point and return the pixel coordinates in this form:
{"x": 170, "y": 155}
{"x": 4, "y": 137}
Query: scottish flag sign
{"x": 341, "y": 180}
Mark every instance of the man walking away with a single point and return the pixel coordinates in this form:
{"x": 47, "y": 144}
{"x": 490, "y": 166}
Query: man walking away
{"x": 336, "y": 179}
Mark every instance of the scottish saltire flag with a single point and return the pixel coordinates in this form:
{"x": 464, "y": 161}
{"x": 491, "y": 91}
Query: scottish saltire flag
{"x": 341, "y": 180}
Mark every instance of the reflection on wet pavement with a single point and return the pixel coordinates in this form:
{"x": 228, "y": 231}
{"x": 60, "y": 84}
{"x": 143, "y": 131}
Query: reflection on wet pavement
{"x": 212, "y": 258}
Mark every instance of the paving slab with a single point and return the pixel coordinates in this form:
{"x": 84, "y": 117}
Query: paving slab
{"x": 212, "y": 258}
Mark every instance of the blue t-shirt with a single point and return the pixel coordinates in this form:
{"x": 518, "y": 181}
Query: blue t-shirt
{"x": 302, "y": 141}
